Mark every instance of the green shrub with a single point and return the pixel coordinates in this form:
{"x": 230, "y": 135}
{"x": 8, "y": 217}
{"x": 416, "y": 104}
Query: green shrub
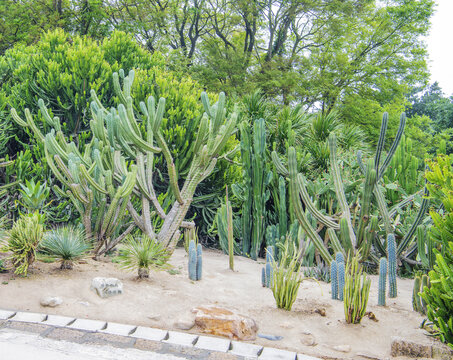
{"x": 22, "y": 241}
{"x": 286, "y": 277}
{"x": 438, "y": 297}
{"x": 142, "y": 253}
{"x": 67, "y": 244}
{"x": 356, "y": 292}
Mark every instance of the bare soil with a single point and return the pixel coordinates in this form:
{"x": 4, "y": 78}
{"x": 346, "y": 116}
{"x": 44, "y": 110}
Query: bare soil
{"x": 167, "y": 297}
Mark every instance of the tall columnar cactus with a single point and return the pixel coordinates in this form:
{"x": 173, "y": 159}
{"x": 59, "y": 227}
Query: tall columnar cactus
{"x": 256, "y": 177}
{"x": 282, "y": 212}
{"x": 195, "y": 261}
{"x": 267, "y": 271}
{"x": 334, "y": 279}
{"x": 341, "y": 277}
{"x": 382, "y": 281}
{"x": 391, "y": 255}
{"x": 403, "y": 170}
{"x": 119, "y": 161}
{"x": 425, "y": 246}
{"x": 356, "y": 236}
{"x": 192, "y": 261}
{"x": 199, "y": 261}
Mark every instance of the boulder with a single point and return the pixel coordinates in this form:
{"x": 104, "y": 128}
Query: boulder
{"x": 51, "y": 301}
{"x": 106, "y": 287}
{"x": 224, "y": 322}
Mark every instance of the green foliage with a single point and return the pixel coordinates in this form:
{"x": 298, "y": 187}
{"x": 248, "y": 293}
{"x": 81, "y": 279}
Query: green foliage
{"x": 142, "y": 253}
{"x": 67, "y": 243}
{"x": 438, "y": 296}
{"x": 356, "y": 291}
{"x": 440, "y": 182}
{"x": 34, "y": 195}
{"x": 287, "y": 277}
{"x": 22, "y": 241}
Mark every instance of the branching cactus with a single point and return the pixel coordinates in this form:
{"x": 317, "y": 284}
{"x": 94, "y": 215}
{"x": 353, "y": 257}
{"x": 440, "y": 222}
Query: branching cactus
{"x": 382, "y": 281}
{"x": 344, "y": 234}
{"x": 118, "y": 163}
{"x": 391, "y": 254}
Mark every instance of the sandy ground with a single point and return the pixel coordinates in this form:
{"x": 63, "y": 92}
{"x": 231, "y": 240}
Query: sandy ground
{"x": 165, "y": 298}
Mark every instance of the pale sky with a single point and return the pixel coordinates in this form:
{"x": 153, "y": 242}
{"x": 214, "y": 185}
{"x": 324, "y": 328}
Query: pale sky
{"x": 440, "y": 46}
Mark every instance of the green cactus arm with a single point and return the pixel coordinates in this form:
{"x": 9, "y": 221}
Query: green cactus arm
{"x": 202, "y": 133}
{"x": 117, "y": 88}
{"x": 339, "y": 190}
{"x": 220, "y": 113}
{"x": 281, "y": 169}
{"x": 421, "y": 213}
{"x": 323, "y": 219}
{"x": 129, "y": 131}
{"x": 381, "y": 142}
{"x": 336, "y": 245}
{"x": 90, "y": 180}
{"x": 394, "y": 209}
{"x": 394, "y": 146}
{"x": 367, "y": 194}
{"x": 383, "y": 209}
{"x": 224, "y": 136}
{"x": 205, "y": 102}
{"x": 29, "y": 123}
{"x": 297, "y": 207}
{"x": 77, "y": 191}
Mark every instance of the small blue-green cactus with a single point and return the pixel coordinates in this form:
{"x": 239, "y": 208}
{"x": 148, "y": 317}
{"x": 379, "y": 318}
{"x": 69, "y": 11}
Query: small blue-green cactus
{"x": 382, "y": 281}
{"x": 192, "y": 261}
{"x": 391, "y": 255}
{"x": 340, "y": 275}
{"x": 199, "y": 261}
{"x": 267, "y": 273}
{"x": 339, "y": 257}
{"x": 334, "y": 279}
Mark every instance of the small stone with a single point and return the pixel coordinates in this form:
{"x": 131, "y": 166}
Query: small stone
{"x": 224, "y": 322}
{"x": 286, "y": 325}
{"x": 403, "y": 347}
{"x": 106, "y": 287}
{"x": 342, "y": 348}
{"x": 51, "y": 301}
{"x": 308, "y": 340}
{"x": 184, "y": 324}
{"x": 328, "y": 323}
{"x": 84, "y": 303}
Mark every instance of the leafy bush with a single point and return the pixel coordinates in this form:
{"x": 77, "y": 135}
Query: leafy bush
{"x": 438, "y": 297}
{"x": 356, "y": 292}
{"x": 67, "y": 244}
{"x": 22, "y": 241}
{"x": 142, "y": 253}
{"x": 286, "y": 277}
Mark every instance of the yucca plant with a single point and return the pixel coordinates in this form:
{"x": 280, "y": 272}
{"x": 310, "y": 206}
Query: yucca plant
{"x": 286, "y": 277}
{"x": 356, "y": 291}
{"x": 142, "y": 253}
{"x": 22, "y": 241}
{"x": 34, "y": 195}
{"x": 66, "y": 243}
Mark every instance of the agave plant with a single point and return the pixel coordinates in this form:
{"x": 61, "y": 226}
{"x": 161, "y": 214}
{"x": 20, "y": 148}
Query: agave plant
{"x": 142, "y": 253}
{"x": 66, "y": 243}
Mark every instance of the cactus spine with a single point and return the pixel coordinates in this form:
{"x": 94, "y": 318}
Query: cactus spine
{"x": 391, "y": 255}
{"x": 382, "y": 281}
{"x": 334, "y": 279}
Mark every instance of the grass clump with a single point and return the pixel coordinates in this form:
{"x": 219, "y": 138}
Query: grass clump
{"x": 142, "y": 253}
{"x": 67, "y": 244}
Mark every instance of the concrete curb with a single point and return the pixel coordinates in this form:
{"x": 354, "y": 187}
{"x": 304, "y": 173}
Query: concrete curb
{"x": 192, "y": 346}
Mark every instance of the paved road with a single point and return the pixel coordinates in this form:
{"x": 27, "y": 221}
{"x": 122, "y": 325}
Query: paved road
{"x": 18, "y": 345}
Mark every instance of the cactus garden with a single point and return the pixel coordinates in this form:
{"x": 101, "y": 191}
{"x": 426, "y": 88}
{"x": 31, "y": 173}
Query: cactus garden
{"x": 223, "y": 158}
